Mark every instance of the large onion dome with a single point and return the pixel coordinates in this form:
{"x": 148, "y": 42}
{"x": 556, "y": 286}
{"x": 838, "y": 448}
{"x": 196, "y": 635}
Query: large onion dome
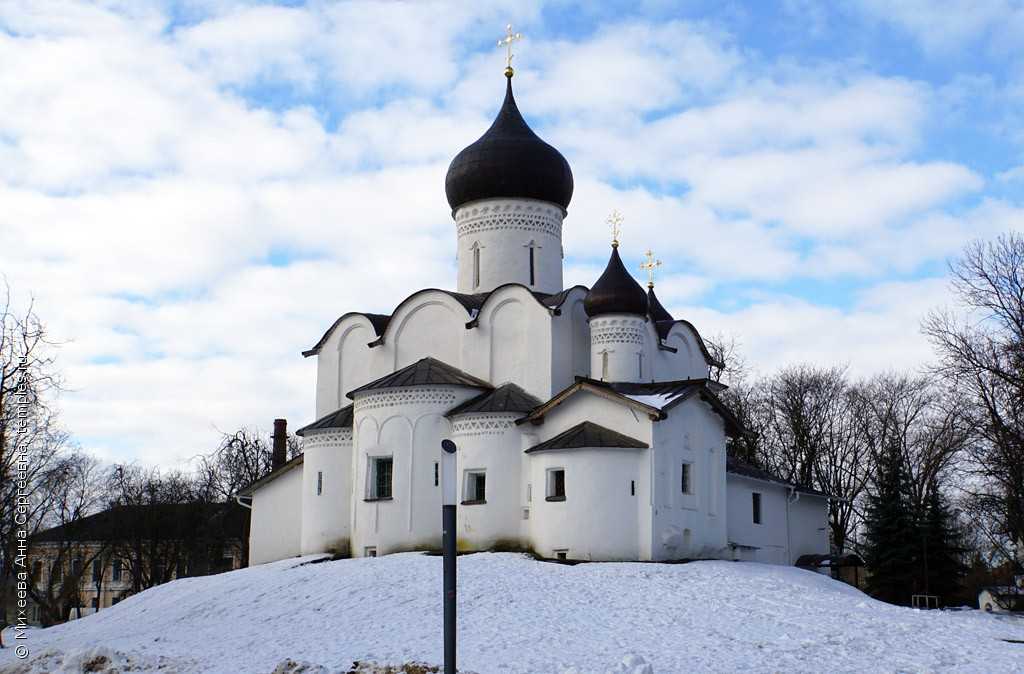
{"x": 509, "y": 160}
{"x": 616, "y": 292}
{"x": 658, "y": 313}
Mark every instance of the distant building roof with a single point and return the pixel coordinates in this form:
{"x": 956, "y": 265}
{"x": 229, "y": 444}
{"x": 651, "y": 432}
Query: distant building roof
{"x": 505, "y": 398}
{"x": 588, "y": 434}
{"x": 425, "y": 371}
{"x": 337, "y": 419}
{"x": 162, "y": 521}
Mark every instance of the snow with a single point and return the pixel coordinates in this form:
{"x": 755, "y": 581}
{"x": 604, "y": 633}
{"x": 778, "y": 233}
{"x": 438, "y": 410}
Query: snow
{"x": 655, "y": 400}
{"x": 518, "y": 615}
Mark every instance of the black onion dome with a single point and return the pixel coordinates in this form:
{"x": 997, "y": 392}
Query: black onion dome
{"x": 509, "y": 160}
{"x": 658, "y": 313}
{"x": 616, "y": 292}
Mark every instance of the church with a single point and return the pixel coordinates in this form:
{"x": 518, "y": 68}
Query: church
{"x": 586, "y": 423}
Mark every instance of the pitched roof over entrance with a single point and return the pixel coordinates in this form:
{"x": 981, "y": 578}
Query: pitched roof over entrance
{"x": 587, "y": 435}
{"x": 423, "y": 372}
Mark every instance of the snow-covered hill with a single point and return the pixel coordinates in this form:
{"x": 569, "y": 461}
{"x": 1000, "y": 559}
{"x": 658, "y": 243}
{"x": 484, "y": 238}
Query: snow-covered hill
{"x": 519, "y": 615}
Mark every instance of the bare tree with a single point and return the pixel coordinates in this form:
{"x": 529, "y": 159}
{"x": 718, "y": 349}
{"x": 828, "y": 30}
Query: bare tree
{"x": 241, "y": 458}
{"x": 981, "y": 354}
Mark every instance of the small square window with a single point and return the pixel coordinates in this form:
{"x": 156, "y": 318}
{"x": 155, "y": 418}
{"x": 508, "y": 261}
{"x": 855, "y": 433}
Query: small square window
{"x": 561, "y": 554}
{"x": 475, "y": 490}
{"x": 685, "y": 479}
{"x": 370, "y": 552}
{"x": 755, "y": 502}
{"x": 556, "y": 484}
{"x": 381, "y": 469}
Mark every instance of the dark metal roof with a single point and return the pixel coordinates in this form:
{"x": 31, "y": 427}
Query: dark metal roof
{"x": 337, "y": 419}
{"x": 737, "y": 467}
{"x": 162, "y": 521}
{"x": 426, "y": 371}
{"x": 509, "y": 160}
{"x": 657, "y": 312}
{"x": 378, "y": 321}
{"x": 506, "y": 398}
{"x": 586, "y": 435}
{"x": 616, "y": 292}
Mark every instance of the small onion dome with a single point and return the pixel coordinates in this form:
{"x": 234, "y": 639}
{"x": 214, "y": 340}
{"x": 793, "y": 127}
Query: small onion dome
{"x": 509, "y": 160}
{"x": 616, "y": 292}
{"x": 654, "y": 308}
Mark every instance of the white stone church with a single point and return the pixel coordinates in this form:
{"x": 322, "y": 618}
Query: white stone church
{"x": 586, "y": 423}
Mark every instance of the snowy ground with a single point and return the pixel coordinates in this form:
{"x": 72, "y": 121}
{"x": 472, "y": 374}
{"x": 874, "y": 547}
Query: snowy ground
{"x": 521, "y": 616}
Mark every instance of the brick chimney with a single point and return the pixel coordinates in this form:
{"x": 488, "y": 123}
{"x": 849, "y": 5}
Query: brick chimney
{"x": 279, "y": 456}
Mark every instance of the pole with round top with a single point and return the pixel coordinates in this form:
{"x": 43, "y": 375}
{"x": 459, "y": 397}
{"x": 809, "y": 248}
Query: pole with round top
{"x": 449, "y": 499}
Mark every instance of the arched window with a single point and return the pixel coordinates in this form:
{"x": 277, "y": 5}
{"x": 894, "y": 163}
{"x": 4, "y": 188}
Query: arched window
{"x": 604, "y": 365}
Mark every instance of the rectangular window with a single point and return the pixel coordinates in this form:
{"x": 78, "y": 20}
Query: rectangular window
{"x": 370, "y": 552}
{"x": 76, "y": 567}
{"x": 529, "y": 492}
{"x": 604, "y": 365}
{"x": 755, "y": 502}
{"x": 526, "y": 513}
{"x": 685, "y": 483}
{"x": 319, "y": 482}
{"x": 632, "y": 487}
{"x": 475, "y": 488}
{"x": 115, "y": 573}
{"x": 556, "y": 484}
{"x": 476, "y": 265}
{"x": 561, "y": 554}
{"x": 640, "y": 365}
{"x": 37, "y": 572}
{"x": 532, "y": 281}
{"x": 437, "y": 473}
{"x": 96, "y": 603}
{"x": 97, "y": 571}
{"x": 56, "y": 572}
{"x": 381, "y": 468}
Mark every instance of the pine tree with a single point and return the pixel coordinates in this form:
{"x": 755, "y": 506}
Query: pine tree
{"x": 891, "y": 538}
{"x": 942, "y": 567}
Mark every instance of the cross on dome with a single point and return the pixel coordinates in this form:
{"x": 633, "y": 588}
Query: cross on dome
{"x": 615, "y": 222}
{"x": 650, "y": 266}
{"x": 506, "y": 42}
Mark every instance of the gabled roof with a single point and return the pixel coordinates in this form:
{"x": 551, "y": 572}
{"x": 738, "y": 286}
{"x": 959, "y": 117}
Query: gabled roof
{"x": 737, "y": 467}
{"x": 425, "y": 371}
{"x": 505, "y": 398}
{"x": 585, "y": 435}
{"x": 591, "y": 386}
{"x": 337, "y": 419}
{"x": 291, "y": 465}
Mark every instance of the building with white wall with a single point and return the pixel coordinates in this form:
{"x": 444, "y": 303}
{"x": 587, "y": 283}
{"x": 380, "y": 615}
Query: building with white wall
{"x": 586, "y": 422}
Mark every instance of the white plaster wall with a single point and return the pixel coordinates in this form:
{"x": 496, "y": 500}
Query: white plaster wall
{"x": 502, "y": 229}
{"x": 770, "y": 537}
{"x": 587, "y": 406}
{"x": 688, "y": 361}
{"x": 326, "y": 516}
{"x": 276, "y": 519}
{"x": 512, "y": 342}
{"x": 433, "y": 327}
{"x": 407, "y": 424}
{"x": 492, "y": 443}
{"x": 808, "y": 526}
{"x": 624, "y": 337}
{"x": 599, "y": 519}
{"x": 689, "y": 526}
{"x": 346, "y": 362}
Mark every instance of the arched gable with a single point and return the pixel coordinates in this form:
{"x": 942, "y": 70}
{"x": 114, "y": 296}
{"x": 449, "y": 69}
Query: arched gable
{"x": 433, "y": 325}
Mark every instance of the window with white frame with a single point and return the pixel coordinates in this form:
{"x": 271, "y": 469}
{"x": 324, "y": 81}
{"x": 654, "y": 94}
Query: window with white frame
{"x": 556, "y": 484}
{"x": 474, "y": 487}
{"x": 378, "y": 483}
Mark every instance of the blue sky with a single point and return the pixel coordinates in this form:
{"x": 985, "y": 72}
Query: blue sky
{"x": 194, "y": 191}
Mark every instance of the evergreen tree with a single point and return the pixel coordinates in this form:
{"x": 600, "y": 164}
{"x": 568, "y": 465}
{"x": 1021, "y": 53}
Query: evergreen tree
{"x": 942, "y": 567}
{"x": 891, "y": 542}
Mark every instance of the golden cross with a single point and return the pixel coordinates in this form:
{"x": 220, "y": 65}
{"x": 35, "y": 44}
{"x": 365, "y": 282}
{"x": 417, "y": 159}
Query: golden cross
{"x": 649, "y": 267}
{"x": 506, "y": 42}
{"x": 615, "y": 221}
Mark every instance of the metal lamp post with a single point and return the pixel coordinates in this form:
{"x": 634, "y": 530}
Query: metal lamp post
{"x": 449, "y": 499}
